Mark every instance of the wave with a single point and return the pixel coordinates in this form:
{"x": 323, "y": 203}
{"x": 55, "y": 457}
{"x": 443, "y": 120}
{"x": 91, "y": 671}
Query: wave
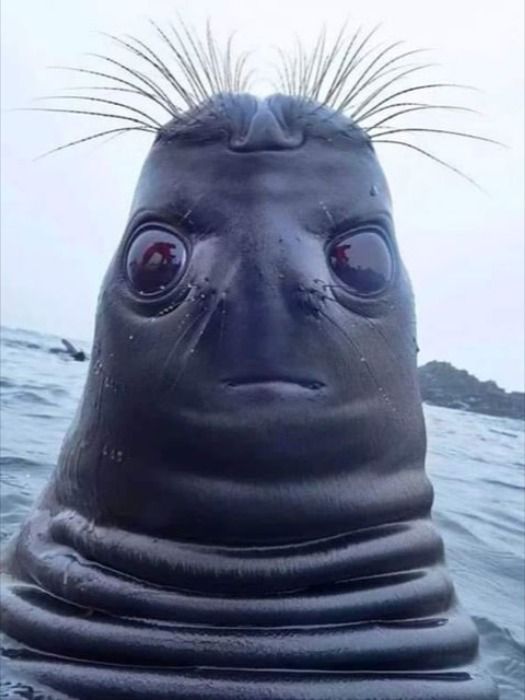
{"x": 28, "y": 396}
{"x": 25, "y": 344}
{"x": 20, "y": 463}
{"x": 504, "y": 484}
{"x": 503, "y": 432}
{"x": 488, "y": 628}
{"x": 6, "y": 383}
{"x": 504, "y": 658}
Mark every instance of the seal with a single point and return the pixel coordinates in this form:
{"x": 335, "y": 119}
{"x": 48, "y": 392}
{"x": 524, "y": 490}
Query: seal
{"x": 70, "y": 350}
{"x": 240, "y": 509}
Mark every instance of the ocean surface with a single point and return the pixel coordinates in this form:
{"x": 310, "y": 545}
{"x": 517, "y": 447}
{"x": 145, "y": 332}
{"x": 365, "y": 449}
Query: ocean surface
{"x": 475, "y": 462}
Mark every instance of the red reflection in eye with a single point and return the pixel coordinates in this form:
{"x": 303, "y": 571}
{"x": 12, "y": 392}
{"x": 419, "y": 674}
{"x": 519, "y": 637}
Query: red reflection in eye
{"x": 365, "y": 264}
{"x": 340, "y": 254}
{"x": 155, "y": 260}
{"x": 164, "y": 250}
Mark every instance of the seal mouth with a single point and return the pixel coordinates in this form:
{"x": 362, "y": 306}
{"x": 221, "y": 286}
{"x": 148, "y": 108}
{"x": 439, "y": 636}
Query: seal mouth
{"x": 275, "y": 381}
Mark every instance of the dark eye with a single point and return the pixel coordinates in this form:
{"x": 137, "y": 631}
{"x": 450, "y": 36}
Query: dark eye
{"x": 362, "y": 261}
{"x": 156, "y": 259}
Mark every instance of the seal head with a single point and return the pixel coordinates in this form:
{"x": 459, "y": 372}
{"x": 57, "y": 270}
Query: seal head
{"x": 258, "y": 373}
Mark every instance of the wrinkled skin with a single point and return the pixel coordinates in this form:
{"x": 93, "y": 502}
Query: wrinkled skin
{"x": 248, "y": 457}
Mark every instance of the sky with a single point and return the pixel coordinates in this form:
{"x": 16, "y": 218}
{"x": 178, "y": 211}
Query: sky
{"x": 62, "y": 216}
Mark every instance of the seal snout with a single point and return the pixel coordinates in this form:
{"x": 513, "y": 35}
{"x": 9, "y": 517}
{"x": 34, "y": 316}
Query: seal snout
{"x": 267, "y": 131}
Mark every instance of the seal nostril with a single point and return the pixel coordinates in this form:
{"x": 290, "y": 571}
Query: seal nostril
{"x": 266, "y": 133}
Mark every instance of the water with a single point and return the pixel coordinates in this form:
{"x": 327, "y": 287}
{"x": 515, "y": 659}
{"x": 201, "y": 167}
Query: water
{"x": 476, "y": 464}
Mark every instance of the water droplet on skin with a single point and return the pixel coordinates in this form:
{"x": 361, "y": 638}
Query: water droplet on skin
{"x": 131, "y": 337}
{"x": 373, "y": 191}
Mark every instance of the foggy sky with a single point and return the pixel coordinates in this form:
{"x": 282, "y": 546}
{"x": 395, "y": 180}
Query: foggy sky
{"x": 62, "y": 216}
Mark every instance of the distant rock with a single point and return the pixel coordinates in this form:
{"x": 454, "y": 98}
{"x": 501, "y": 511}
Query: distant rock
{"x": 444, "y": 385}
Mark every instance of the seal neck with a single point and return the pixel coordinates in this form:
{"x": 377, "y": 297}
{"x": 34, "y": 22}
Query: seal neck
{"x": 386, "y": 550}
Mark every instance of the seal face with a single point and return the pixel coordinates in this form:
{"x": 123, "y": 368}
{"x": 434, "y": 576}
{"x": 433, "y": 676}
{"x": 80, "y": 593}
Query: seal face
{"x": 240, "y": 508}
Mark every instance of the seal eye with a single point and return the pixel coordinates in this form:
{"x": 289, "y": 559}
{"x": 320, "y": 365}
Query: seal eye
{"x": 155, "y": 261}
{"x": 362, "y": 261}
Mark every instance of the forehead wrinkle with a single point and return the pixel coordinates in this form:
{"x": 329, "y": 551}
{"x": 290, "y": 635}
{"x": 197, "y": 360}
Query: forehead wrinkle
{"x": 209, "y": 184}
{"x": 181, "y": 209}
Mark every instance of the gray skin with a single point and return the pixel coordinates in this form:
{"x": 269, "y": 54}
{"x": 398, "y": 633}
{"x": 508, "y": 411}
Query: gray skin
{"x": 240, "y": 509}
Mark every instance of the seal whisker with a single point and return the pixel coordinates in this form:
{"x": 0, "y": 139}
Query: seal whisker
{"x": 187, "y": 333}
{"x": 91, "y": 137}
{"x": 153, "y": 59}
{"x": 184, "y": 334}
{"x": 171, "y": 108}
{"x": 395, "y": 105}
{"x": 107, "y": 88}
{"x": 338, "y": 77}
{"x": 219, "y": 296}
{"x": 385, "y": 68}
{"x": 386, "y": 341}
{"x": 187, "y": 326}
{"x": 399, "y": 93}
{"x": 376, "y": 93}
{"x": 221, "y": 322}
{"x": 371, "y": 324}
{"x": 133, "y": 87}
{"x": 183, "y": 58}
{"x": 388, "y": 131}
{"x": 353, "y": 343}
{"x": 102, "y": 100}
{"x": 417, "y": 108}
{"x": 219, "y": 77}
{"x": 349, "y": 62}
{"x": 397, "y": 70}
{"x": 106, "y": 115}
{"x": 433, "y": 157}
{"x": 185, "y": 357}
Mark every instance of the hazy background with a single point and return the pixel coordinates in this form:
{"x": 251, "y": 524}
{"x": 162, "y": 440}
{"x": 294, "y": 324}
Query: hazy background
{"x": 62, "y": 216}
